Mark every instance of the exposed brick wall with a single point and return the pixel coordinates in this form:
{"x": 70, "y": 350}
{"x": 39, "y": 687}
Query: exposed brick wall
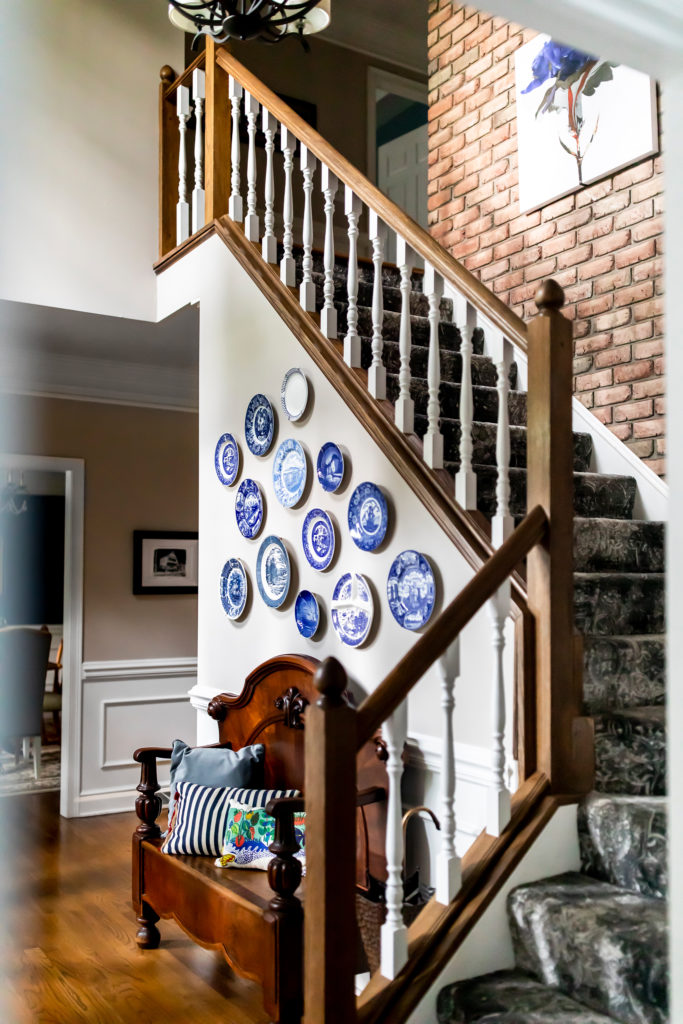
{"x": 603, "y": 244}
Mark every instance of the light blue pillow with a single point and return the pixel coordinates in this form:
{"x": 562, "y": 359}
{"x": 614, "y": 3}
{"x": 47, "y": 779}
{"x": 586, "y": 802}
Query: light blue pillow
{"x": 216, "y": 766}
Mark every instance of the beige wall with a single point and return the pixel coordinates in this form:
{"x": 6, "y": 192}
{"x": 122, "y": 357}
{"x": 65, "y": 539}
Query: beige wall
{"x": 140, "y": 473}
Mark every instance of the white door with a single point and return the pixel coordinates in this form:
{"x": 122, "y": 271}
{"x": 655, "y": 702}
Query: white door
{"x": 402, "y": 175}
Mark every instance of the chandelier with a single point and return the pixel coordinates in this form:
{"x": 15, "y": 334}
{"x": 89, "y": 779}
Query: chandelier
{"x": 13, "y": 497}
{"x": 268, "y": 20}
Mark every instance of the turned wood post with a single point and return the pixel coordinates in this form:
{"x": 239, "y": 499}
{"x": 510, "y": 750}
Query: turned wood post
{"x": 216, "y": 136}
{"x": 168, "y": 162}
{"x": 284, "y": 876}
{"x": 564, "y": 738}
{"x": 330, "y": 916}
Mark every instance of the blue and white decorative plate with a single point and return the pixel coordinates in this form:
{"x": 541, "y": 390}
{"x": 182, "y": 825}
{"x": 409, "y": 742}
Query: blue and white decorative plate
{"x": 330, "y": 466}
{"x": 227, "y": 459}
{"x": 273, "y": 572}
{"x": 307, "y": 614}
{"x": 259, "y": 425}
{"x": 317, "y": 537}
{"x": 249, "y": 508}
{"x": 411, "y": 590}
{"x": 234, "y": 588}
{"x": 289, "y": 472}
{"x": 368, "y": 516}
{"x": 294, "y": 394}
{"x": 352, "y": 609}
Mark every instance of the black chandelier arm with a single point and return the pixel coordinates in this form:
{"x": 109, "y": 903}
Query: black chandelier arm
{"x": 243, "y": 19}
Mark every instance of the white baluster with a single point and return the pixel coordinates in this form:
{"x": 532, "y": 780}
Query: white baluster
{"x": 405, "y": 407}
{"x": 500, "y": 350}
{"x": 352, "y": 209}
{"x": 394, "y": 945}
{"x": 432, "y": 285}
{"x": 448, "y": 872}
{"x": 328, "y": 314}
{"x": 269, "y": 242}
{"x": 498, "y": 810}
{"x": 307, "y": 288}
{"x": 466, "y": 478}
{"x": 182, "y": 216}
{"x": 251, "y": 223}
{"x": 198, "y": 94}
{"x": 235, "y": 208}
{"x": 377, "y": 374}
{"x": 287, "y": 263}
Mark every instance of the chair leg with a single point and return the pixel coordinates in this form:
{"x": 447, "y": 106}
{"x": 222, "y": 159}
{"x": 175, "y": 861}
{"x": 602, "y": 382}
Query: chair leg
{"x": 36, "y": 756}
{"x": 26, "y": 747}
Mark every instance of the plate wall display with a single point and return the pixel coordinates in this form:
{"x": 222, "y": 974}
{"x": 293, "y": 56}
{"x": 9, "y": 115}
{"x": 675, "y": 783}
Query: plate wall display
{"x": 234, "y": 588}
{"x": 317, "y": 537}
{"x": 294, "y": 394}
{"x": 330, "y": 466}
{"x": 249, "y": 508}
{"x": 289, "y": 472}
{"x": 352, "y": 609}
{"x": 259, "y": 425}
{"x": 227, "y": 459}
{"x": 368, "y": 516}
{"x": 307, "y": 614}
{"x": 273, "y": 571}
{"x": 411, "y": 590}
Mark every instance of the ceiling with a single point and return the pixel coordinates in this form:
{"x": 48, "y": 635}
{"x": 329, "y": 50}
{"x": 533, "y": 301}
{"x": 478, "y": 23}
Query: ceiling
{"x": 393, "y": 30}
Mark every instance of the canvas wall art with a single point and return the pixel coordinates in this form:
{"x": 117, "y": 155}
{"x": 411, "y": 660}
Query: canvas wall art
{"x": 579, "y": 118}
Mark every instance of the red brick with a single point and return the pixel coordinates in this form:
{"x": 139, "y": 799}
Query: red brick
{"x": 634, "y": 332}
{"x": 635, "y": 293}
{"x": 540, "y": 234}
{"x": 478, "y": 259}
{"x": 645, "y": 310}
{"x": 493, "y": 270}
{"x": 609, "y": 396}
{"x": 648, "y": 428}
{"x": 632, "y": 175}
{"x": 646, "y": 349}
{"x": 648, "y": 229}
{"x": 440, "y": 108}
{"x": 608, "y": 321}
{"x": 612, "y": 203}
{"x": 596, "y": 229}
{"x": 634, "y": 410}
{"x": 526, "y": 256}
{"x": 633, "y": 214}
{"x": 441, "y": 16}
{"x": 509, "y": 247}
{"x": 643, "y": 251}
{"x": 621, "y": 430}
{"x": 573, "y": 220}
{"x": 590, "y": 381}
{"x": 586, "y": 399}
{"x": 604, "y": 414}
{"x": 613, "y": 356}
{"x": 543, "y": 269}
{"x": 608, "y": 282}
{"x": 660, "y": 405}
{"x": 643, "y": 449}
{"x": 579, "y": 254}
{"x": 590, "y": 195}
{"x": 557, "y": 208}
{"x": 457, "y": 28}
{"x": 617, "y": 240}
{"x": 649, "y": 388}
{"x": 599, "y": 304}
{"x": 647, "y": 189}
{"x": 507, "y": 281}
{"x": 596, "y": 267}
{"x": 634, "y": 371}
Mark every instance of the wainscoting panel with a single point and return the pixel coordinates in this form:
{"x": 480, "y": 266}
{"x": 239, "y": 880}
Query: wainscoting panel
{"x": 130, "y": 704}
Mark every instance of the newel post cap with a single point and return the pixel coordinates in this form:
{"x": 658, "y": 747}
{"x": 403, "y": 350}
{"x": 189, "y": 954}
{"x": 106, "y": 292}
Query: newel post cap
{"x": 330, "y": 681}
{"x": 549, "y": 296}
{"x": 167, "y": 74}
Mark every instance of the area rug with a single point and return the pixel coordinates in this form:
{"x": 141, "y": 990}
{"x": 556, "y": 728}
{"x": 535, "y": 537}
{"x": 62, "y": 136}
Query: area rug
{"x": 18, "y": 778}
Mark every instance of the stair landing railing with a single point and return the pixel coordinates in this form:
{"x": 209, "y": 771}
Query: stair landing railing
{"x": 202, "y": 112}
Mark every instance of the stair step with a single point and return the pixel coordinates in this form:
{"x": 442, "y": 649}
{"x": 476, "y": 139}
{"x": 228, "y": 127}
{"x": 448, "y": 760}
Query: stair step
{"x": 602, "y": 945}
{"x": 601, "y": 545}
{"x": 485, "y": 400}
{"x": 483, "y": 370}
{"x": 623, "y": 841}
{"x": 619, "y": 604}
{"x": 510, "y": 997}
{"x": 449, "y": 335}
{"x": 484, "y": 443}
{"x": 623, "y": 671}
{"x": 630, "y": 751}
{"x": 391, "y": 296}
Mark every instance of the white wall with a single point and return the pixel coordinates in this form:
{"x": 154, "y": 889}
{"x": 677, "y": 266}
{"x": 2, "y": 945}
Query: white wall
{"x": 78, "y": 176}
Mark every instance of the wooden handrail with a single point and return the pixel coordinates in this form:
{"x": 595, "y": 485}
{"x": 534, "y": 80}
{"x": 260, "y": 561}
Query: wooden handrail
{"x": 396, "y": 686}
{"x": 184, "y": 76}
{"x": 500, "y": 315}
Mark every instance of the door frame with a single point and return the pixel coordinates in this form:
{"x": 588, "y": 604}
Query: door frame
{"x": 74, "y": 518}
{"x": 406, "y": 87}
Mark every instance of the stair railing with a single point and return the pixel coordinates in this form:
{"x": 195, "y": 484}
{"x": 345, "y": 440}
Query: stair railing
{"x": 554, "y": 743}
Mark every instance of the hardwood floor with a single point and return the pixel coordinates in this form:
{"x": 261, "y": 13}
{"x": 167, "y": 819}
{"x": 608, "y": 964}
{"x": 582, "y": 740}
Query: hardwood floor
{"x": 67, "y": 947}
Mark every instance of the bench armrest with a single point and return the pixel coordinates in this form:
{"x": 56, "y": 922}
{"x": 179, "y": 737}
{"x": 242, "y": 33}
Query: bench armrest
{"x": 371, "y": 795}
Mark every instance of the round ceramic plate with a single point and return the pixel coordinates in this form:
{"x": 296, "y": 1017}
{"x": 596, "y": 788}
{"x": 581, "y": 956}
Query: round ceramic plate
{"x": 273, "y": 571}
{"x": 330, "y": 467}
{"x": 289, "y": 473}
{"x": 368, "y": 516}
{"x": 294, "y": 394}
{"x": 317, "y": 537}
{"x": 227, "y": 459}
{"x": 234, "y": 588}
{"x": 307, "y": 614}
{"x": 410, "y": 590}
{"x": 352, "y": 609}
{"x": 249, "y": 508}
{"x": 259, "y": 425}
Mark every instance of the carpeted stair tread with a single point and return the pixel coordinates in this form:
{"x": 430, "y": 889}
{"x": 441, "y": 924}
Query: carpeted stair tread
{"x": 449, "y": 335}
{"x": 510, "y": 997}
{"x": 483, "y": 370}
{"x": 485, "y": 400}
{"x": 630, "y": 751}
{"x": 623, "y": 841}
{"x": 391, "y": 296}
{"x": 600, "y": 944}
{"x": 484, "y": 443}
{"x": 623, "y": 671}
{"x": 617, "y": 604}
{"x": 601, "y": 545}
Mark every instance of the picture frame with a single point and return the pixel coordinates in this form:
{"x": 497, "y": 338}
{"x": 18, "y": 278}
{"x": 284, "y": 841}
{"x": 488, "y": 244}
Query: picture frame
{"x": 165, "y": 562}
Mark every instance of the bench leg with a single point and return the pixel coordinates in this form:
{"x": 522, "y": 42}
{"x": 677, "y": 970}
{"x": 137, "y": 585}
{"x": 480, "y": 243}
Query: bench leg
{"x": 147, "y": 935}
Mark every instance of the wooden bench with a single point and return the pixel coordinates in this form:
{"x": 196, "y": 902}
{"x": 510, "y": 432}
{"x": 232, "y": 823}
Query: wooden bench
{"x": 254, "y": 918}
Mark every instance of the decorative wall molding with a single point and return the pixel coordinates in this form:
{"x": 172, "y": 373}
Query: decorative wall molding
{"x": 113, "y": 702}
{"x": 144, "y": 668}
{"x": 473, "y": 764}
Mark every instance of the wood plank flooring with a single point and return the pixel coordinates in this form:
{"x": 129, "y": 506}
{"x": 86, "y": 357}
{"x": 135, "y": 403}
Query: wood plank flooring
{"x": 67, "y": 946}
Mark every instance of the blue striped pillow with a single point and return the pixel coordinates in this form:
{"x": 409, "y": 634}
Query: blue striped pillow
{"x": 200, "y": 813}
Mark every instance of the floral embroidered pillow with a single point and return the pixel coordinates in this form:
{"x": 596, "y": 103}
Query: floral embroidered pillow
{"x": 249, "y": 831}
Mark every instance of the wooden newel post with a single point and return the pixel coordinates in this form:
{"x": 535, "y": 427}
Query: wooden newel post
{"x": 564, "y": 737}
{"x": 217, "y": 136}
{"x": 168, "y": 161}
{"x": 329, "y": 915}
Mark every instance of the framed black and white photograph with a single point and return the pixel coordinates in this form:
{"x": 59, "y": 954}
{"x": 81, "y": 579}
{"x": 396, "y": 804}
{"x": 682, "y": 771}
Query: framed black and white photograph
{"x": 164, "y": 562}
